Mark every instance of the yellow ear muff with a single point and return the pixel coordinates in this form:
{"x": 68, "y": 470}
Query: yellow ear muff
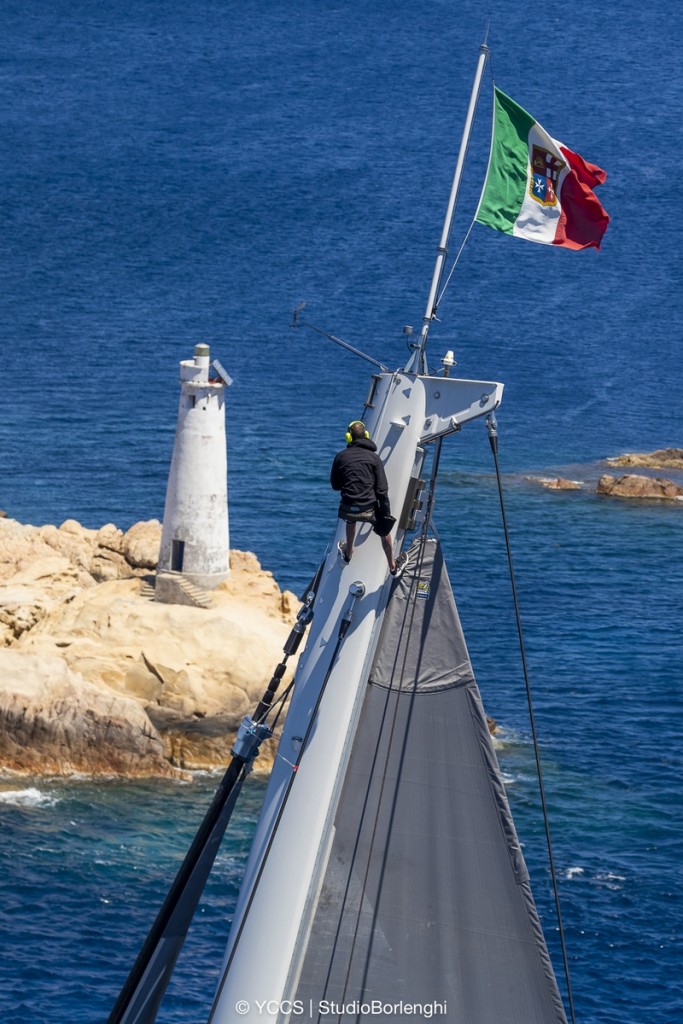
{"x": 348, "y": 436}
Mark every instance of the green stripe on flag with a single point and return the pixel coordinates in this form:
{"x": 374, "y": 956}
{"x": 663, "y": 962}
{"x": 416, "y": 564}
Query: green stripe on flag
{"x": 507, "y": 175}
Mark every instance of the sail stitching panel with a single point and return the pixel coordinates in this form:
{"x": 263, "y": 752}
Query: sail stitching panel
{"x": 417, "y": 591}
{"x": 460, "y": 927}
{"x": 404, "y": 694}
{"x": 363, "y": 901}
{"x": 370, "y": 903}
{"x": 367, "y": 903}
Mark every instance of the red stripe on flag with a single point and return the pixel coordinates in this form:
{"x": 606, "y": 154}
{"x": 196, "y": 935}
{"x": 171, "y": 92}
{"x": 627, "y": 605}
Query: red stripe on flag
{"x": 583, "y": 220}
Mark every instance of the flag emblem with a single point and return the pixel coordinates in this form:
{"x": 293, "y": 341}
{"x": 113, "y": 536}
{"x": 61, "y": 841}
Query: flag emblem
{"x": 536, "y": 187}
{"x": 545, "y": 173}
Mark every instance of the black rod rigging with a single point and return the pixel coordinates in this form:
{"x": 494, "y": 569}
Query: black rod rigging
{"x": 356, "y": 591}
{"x": 141, "y": 995}
{"x": 492, "y": 428}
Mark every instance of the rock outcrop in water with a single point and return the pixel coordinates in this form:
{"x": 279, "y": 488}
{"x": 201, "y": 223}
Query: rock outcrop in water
{"x": 663, "y": 458}
{"x": 557, "y": 483}
{"x": 635, "y": 485}
{"x": 97, "y": 678}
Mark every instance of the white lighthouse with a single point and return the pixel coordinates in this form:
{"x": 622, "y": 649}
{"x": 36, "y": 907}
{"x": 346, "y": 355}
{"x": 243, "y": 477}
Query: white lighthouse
{"x": 195, "y": 539}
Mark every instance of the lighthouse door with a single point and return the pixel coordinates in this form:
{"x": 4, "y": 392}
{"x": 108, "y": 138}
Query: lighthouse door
{"x": 177, "y": 555}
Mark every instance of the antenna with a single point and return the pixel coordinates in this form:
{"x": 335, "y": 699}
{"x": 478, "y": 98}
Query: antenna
{"x": 297, "y": 321}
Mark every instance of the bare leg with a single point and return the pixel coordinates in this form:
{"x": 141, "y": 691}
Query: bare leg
{"x": 389, "y": 552}
{"x": 350, "y": 537}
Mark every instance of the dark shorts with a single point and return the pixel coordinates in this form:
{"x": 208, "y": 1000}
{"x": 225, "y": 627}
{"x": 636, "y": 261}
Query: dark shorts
{"x": 356, "y": 514}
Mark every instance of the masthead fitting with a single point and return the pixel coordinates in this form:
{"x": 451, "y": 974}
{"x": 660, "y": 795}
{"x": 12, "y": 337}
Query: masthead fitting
{"x": 448, "y": 362}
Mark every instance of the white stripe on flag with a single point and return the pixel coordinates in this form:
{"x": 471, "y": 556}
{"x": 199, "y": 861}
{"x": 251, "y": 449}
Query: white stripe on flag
{"x": 536, "y": 222}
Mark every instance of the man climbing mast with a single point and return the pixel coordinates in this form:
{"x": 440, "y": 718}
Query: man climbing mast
{"x": 357, "y": 472}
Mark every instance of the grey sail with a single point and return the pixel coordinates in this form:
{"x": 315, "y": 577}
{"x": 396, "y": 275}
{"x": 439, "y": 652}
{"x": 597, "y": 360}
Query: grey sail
{"x": 425, "y": 896}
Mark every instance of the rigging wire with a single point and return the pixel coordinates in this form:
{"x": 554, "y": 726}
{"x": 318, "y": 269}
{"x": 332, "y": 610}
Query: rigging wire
{"x": 281, "y": 701}
{"x": 455, "y": 261}
{"x": 491, "y": 427}
{"x": 145, "y": 986}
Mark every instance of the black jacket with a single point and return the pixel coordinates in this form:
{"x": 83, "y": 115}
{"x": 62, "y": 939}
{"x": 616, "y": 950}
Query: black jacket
{"x": 358, "y": 473}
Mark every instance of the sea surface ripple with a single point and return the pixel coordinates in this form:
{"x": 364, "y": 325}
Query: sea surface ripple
{"x": 183, "y": 173}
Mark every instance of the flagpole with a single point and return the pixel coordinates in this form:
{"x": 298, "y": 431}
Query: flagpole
{"x": 418, "y": 362}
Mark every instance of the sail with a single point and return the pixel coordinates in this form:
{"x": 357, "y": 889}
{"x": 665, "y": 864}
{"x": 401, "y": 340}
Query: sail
{"x": 425, "y": 896}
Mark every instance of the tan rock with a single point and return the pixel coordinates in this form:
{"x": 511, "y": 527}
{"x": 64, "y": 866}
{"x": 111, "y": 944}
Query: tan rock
{"x": 556, "y": 483}
{"x": 29, "y": 593}
{"x": 73, "y": 527}
{"x": 87, "y": 555}
{"x": 635, "y": 485}
{"x": 140, "y": 544}
{"x": 175, "y": 665}
{"x": 20, "y": 609}
{"x": 45, "y": 570}
{"x": 108, "y": 565}
{"x": 662, "y": 458}
{"x": 247, "y": 578}
{"x": 20, "y": 547}
{"x": 53, "y": 721}
{"x": 110, "y": 538}
{"x": 197, "y": 743}
{"x": 71, "y": 540}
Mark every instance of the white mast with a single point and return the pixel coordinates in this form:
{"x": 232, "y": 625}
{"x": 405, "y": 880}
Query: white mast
{"x": 418, "y": 362}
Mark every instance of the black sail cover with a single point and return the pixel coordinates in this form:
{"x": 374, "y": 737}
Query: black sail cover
{"x": 425, "y": 905}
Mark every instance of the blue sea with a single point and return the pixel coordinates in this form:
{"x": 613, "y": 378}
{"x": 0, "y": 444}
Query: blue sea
{"x": 181, "y": 173}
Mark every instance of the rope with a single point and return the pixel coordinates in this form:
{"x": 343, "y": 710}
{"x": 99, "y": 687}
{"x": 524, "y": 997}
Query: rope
{"x": 493, "y": 439}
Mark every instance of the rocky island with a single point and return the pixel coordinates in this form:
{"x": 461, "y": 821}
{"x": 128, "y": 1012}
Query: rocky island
{"x": 644, "y": 486}
{"x": 638, "y": 486}
{"x": 98, "y": 678}
{"x": 663, "y": 458}
{"x": 635, "y": 485}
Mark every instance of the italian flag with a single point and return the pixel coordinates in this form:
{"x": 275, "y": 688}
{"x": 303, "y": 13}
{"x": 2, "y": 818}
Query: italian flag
{"x": 537, "y": 188}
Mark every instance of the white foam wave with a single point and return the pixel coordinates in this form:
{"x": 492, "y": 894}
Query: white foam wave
{"x": 30, "y": 797}
{"x": 610, "y": 880}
